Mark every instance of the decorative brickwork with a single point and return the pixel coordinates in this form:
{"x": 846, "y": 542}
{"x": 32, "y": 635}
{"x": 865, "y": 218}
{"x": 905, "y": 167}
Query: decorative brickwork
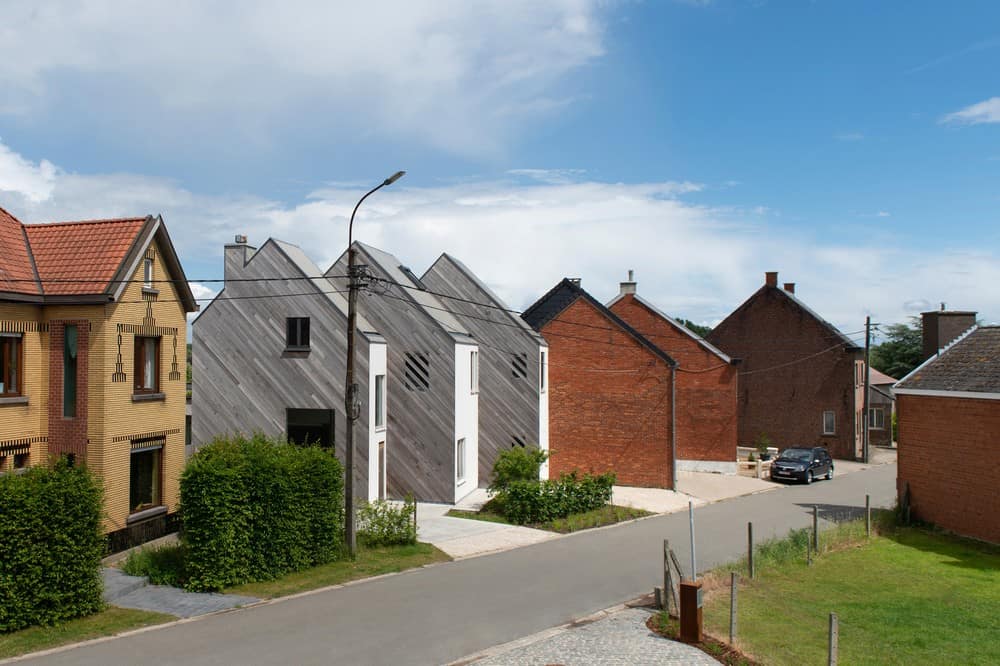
{"x": 68, "y": 434}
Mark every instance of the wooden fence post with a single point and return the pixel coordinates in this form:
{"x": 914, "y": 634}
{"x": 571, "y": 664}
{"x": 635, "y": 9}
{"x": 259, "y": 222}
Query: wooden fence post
{"x": 753, "y": 573}
{"x": 834, "y": 638}
{"x": 733, "y": 583}
{"x": 668, "y": 586}
{"x": 815, "y": 528}
{"x": 868, "y": 515}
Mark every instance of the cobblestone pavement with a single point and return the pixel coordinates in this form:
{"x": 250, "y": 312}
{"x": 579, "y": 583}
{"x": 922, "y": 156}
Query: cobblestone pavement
{"x": 127, "y": 591}
{"x": 621, "y": 639}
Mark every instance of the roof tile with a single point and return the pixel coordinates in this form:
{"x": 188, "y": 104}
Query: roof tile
{"x": 16, "y": 272}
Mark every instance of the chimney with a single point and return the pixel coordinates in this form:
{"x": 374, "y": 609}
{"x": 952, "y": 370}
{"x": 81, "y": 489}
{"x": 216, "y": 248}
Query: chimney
{"x": 629, "y": 286}
{"x": 574, "y": 281}
{"x": 790, "y": 287}
{"x": 771, "y": 278}
{"x": 940, "y": 327}
{"x": 237, "y": 254}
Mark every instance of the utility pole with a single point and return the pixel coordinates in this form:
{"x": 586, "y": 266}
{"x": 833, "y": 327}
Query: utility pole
{"x": 868, "y": 377}
{"x": 352, "y": 405}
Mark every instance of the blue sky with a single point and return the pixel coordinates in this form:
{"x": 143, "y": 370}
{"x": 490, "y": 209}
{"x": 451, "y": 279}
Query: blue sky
{"x": 852, "y": 146}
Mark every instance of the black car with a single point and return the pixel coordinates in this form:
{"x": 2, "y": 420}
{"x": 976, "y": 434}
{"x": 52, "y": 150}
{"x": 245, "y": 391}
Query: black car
{"x": 802, "y": 464}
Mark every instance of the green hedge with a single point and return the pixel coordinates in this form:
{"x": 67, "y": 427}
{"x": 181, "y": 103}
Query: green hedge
{"x": 382, "y": 523}
{"x": 50, "y": 546}
{"x": 518, "y": 463}
{"x": 257, "y": 508}
{"x": 525, "y": 502}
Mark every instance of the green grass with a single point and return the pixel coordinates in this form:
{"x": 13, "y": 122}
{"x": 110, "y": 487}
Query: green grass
{"x": 164, "y": 565}
{"x": 606, "y": 515}
{"x": 106, "y": 623}
{"x": 910, "y": 596}
{"x": 369, "y": 562}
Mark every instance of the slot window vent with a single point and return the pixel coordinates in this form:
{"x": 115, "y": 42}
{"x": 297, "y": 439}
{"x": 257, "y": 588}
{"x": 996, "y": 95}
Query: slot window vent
{"x": 416, "y": 371}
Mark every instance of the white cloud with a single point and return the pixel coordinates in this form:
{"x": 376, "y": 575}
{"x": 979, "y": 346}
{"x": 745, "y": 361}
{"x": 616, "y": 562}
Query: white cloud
{"x": 453, "y": 74}
{"x": 984, "y": 112}
{"x": 694, "y": 261}
{"x": 850, "y": 136}
{"x": 33, "y": 181}
{"x": 883, "y": 213}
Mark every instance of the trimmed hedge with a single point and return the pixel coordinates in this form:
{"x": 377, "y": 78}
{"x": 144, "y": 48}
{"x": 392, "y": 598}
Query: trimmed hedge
{"x": 50, "y": 546}
{"x": 382, "y": 523}
{"x": 518, "y": 463}
{"x": 257, "y": 508}
{"x": 525, "y": 502}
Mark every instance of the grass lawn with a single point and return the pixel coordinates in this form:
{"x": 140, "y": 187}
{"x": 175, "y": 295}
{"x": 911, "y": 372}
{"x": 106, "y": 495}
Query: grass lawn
{"x": 606, "y": 515}
{"x": 106, "y": 623}
{"x": 370, "y": 562}
{"x": 912, "y": 596}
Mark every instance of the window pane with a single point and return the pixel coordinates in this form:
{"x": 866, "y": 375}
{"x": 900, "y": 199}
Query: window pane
{"x": 69, "y": 370}
{"x": 304, "y": 332}
{"x": 149, "y": 361}
{"x": 12, "y": 360}
{"x": 460, "y": 459}
{"x": 147, "y": 272}
{"x": 379, "y": 400}
{"x": 144, "y": 480}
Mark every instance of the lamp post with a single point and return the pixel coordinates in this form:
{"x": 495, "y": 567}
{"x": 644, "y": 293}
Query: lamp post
{"x": 352, "y": 407}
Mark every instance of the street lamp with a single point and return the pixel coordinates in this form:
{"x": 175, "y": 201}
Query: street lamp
{"x": 351, "y": 404}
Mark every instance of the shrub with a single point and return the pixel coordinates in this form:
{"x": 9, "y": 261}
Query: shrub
{"x": 541, "y": 501}
{"x": 517, "y": 464}
{"x": 257, "y": 508}
{"x": 382, "y": 523}
{"x": 166, "y": 565}
{"x": 50, "y": 546}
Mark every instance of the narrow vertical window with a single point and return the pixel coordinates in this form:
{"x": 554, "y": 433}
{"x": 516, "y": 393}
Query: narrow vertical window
{"x": 145, "y": 474}
{"x": 474, "y": 372}
{"x": 69, "y": 370}
{"x": 10, "y": 365}
{"x": 460, "y": 460}
{"x": 829, "y": 423}
{"x": 297, "y": 333}
{"x": 542, "y": 367}
{"x": 379, "y": 401}
{"x": 147, "y": 365}
{"x": 147, "y": 272}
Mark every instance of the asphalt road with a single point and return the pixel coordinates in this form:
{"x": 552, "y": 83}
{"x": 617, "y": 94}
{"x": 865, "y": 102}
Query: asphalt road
{"x": 441, "y": 613}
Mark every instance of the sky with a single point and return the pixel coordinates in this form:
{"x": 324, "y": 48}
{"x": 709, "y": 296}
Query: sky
{"x": 852, "y": 146}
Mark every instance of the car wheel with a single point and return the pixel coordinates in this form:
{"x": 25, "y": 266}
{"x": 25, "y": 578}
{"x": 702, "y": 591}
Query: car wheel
{"x": 829, "y": 474}
{"x": 809, "y": 477}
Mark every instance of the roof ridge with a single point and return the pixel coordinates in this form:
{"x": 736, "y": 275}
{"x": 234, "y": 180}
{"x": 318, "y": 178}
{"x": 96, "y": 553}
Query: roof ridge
{"x": 67, "y": 223}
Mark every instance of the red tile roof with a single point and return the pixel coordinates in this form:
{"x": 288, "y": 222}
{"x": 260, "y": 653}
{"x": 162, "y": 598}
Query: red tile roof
{"x": 81, "y": 257}
{"x": 16, "y": 272}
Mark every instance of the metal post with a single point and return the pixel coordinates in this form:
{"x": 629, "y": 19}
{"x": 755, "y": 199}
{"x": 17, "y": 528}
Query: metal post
{"x": 694, "y": 568}
{"x": 732, "y": 608}
{"x": 673, "y": 427}
{"x": 809, "y": 557}
{"x": 350, "y": 391}
{"x": 815, "y": 528}
{"x": 868, "y": 376}
{"x": 834, "y": 638}
{"x": 668, "y": 587}
{"x": 868, "y": 515}
{"x": 753, "y": 573}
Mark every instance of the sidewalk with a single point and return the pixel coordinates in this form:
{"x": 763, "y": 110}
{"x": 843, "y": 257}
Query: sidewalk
{"x": 126, "y": 591}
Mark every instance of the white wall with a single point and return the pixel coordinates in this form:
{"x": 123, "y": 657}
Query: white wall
{"x": 376, "y": 366}
{"x": 543, "y": 410}
{"x": 466, "y": 420}
{"x": 713, "y": 466}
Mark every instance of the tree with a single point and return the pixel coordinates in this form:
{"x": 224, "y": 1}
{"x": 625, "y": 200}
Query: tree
{"x": 697, "y": 328}
{"x": 901, "y": 351}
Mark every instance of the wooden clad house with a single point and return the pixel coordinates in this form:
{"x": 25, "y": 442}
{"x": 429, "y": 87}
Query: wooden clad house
{"x": 706, "y": 384}
{"x": 92, "y": 343}
{"x": 513, "y": 396}
{"x": 433, "y": 373}
{"x": 611, "y": 391}
{"x": 269, "y": 355}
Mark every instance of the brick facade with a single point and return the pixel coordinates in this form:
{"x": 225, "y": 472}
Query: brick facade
{"x": 68, "y": 434}
{"x": 948, "y": 455}
{"x": 794, "y": 367}
{"x": 609, "y": 400}
{"x": 706, "y": 386}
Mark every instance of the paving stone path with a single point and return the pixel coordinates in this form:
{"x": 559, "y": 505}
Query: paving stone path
{"x": 126, "y": 591}
{"x": 621, "y": 639}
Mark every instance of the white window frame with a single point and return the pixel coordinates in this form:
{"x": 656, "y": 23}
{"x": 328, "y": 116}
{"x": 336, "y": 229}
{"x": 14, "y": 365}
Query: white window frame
{"x": 380, "y": 402}
{"x": 460, "y": 461}
{"x": 833, "y": 417}
{"x": 474, "y": 372}
{"x": 542, "y": 367}
{"x": 147, "y": 272}
{"x": 876, "y": 423}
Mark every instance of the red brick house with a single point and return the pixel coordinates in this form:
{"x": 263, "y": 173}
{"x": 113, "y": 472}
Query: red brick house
{"x": 706, "y": 385}
{"x": 611, "y": 391}
{"x": 948, "y": 410}
{"x": 801, "y": 380}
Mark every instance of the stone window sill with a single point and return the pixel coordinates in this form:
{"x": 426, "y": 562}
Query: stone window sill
{"x": 151, "y": 291}
{"x": 148, "y": 397}
{"x": 14, "y": 400}
{"x": 146, "y": 514}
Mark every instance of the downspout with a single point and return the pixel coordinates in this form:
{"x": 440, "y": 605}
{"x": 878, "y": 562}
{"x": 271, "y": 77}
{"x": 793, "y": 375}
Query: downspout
{"x": 673, "y": 425}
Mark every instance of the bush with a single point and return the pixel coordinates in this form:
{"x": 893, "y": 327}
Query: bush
{"x": 517, "y": 464}
{"x": 257, "y": 508}
{"x": 166, "y": 565}
{"x": 50, "y": 546}
{"x": 382, "y": 523}
{"x": 541, "y": 501}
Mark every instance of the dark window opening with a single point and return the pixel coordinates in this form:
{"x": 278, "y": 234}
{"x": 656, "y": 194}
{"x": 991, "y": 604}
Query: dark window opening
{"x": 310, "y": 426}
{"x": 144, "y": 479}
{"x": 519, "y": 366}
{"x": 71, "y": 459}
{"x": 69, "y": 370}
{"x": 11, "y": 360}
{"x": 517, "y": 441}
{"x": 297, "y": 333}
{"x": 147, "y": 365}
{"x": 20, "y": 460}
{"x": 417, "y": 372}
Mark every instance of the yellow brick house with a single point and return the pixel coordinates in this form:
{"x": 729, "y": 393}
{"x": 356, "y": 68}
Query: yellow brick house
{"x": 92, "y": 360}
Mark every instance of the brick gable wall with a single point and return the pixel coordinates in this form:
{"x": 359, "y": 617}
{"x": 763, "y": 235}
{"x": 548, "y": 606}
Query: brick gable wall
{"x": 609, "y": 401}
{"x": 948, "y": 454}
{"x": 706, "y": 386}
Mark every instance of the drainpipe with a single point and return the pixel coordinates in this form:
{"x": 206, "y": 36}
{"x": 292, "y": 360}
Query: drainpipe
{"x": 673, "y": 425}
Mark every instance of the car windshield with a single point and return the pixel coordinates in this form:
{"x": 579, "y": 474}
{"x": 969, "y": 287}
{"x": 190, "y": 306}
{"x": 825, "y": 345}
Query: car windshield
{"x": 796, "y": 455}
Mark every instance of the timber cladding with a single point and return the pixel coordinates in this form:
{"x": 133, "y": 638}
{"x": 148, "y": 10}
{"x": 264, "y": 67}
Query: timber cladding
{"x": 609, "y": 400}
{"x": 948, "y": 457}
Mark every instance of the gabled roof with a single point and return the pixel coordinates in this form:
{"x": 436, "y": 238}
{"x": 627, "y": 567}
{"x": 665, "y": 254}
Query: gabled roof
{"x": 86, "y": 261}
{"x": 877, "y": 378}
{"x": 493, "y": 300}
{"x": 565, "y": 293}
{"x": 705, "y": 344}
{"x": 970, "y": 365}
{"x": 425, "y": 301}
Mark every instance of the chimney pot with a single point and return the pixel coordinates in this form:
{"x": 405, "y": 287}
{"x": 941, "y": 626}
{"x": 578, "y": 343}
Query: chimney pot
{"x": 790, "y": 287}
{"x": 631, "y": 274}
{"x": 771, "y": 278}
{"x": 575, "y": 281}
{"x": 241, "y": 239}
{"x": 629, "y": 286}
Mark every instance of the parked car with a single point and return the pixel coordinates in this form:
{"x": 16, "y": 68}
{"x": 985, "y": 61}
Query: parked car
{"x": 802, "y": 464}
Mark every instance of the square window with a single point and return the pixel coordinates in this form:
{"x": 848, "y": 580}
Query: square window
{"x": 144, "y": 479}
{"x": 379, "y": 401}
{"x": 11, "y": 361}
{"x": 147, "y": 365}
{"x": 829, "y": 422}
{"x": 310, "y": 426}
{"x": 297, "y": 333}
{"x": 21, "y": 460}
